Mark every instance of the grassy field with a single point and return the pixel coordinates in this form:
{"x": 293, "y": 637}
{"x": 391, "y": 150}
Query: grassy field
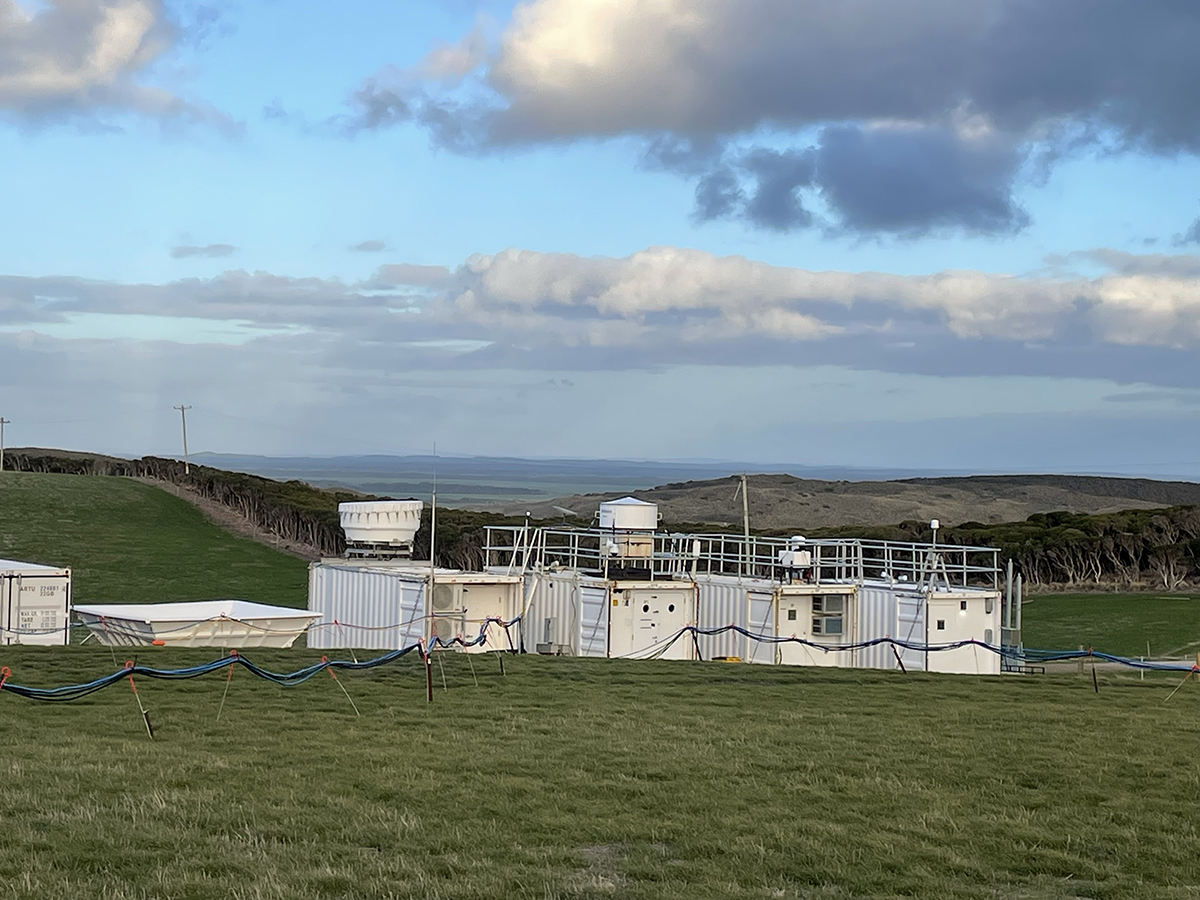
{"x": 128, "y": 542}
{"x": 1114, "y": 623}
{"x": 589, "y": 778}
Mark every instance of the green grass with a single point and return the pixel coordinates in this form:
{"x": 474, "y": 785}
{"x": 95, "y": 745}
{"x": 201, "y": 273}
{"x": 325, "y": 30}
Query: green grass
{"x": 591, "y": 778}
{"x": 128, "y": 542}
{"x": 1114, "y": 623}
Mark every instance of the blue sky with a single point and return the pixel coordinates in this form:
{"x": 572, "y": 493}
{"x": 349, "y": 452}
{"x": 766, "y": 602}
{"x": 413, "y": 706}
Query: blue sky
{"x": 643, "y": 229}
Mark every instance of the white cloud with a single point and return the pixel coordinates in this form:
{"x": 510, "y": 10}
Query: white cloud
{"x": 65, "y": 58}
{"x": 666, "y": 304}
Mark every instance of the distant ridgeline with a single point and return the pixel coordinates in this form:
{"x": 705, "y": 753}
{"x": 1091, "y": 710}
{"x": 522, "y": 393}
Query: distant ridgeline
{"x": 1148, "y": 548}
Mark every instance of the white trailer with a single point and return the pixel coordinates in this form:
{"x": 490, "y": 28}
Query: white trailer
{"x": 34, "y": 604}
{"x": 375, "y": 604}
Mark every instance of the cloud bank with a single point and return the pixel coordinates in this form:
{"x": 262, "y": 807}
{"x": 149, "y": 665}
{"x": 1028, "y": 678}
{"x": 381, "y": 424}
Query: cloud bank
{"x": 901, "y": 118}
{"x": 1138, "y": 321}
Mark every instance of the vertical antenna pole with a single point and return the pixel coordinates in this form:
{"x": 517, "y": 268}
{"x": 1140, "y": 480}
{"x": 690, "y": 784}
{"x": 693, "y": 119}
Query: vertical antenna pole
{"x": 183, "y": 418}
{"x": 3, "y": 422}
{"x": 432, "y": 544}
{"x": 746, "y": 525}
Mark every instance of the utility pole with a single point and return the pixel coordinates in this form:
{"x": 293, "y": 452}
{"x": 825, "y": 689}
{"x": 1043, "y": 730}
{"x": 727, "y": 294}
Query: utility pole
{"x": 183, "y": 418}
{"x": 3, "y": 422}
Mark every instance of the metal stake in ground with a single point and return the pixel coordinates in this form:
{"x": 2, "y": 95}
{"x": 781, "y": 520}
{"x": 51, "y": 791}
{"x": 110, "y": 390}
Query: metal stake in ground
{"x": 129, "y": 666}
{"x": 225, "y": 693}
{"x": 428, "y": 675}
{"x": 442, "y": 666}
{"x": 333, "y": 675}
{"x": 472, "y": 665}
{"x": 1195, "y": 671}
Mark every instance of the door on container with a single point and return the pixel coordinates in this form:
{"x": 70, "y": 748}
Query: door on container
{"x": 910, "y": 620}
{"x": 593, "y": 620}
{"x": 38, "y": 609}
{"x": 761, "y": 622}
{"x": 646, "y": 621}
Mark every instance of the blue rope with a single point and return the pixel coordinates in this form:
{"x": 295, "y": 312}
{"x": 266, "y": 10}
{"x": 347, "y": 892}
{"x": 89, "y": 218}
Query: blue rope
{"x": 426, "y": 648}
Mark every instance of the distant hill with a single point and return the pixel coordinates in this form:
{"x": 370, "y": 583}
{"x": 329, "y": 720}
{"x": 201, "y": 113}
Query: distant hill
{"x": 784, "y": 501}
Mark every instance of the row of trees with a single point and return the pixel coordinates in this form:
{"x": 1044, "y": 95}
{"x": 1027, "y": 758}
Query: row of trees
{"x": 1136, "y": 548}
{"x": 1157, "y": 548}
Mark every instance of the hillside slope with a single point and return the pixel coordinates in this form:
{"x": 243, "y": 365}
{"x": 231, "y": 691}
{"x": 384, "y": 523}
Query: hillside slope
{"x": 129, "y": 542}
{"x": 783, "y": 501}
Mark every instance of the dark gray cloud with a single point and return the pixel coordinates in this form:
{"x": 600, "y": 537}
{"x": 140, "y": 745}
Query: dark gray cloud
{"x": 914, "y": 180}
{"x": 369, "y": 247}
{"x": 208, "y": 251}
{"x": 926, "y": 109}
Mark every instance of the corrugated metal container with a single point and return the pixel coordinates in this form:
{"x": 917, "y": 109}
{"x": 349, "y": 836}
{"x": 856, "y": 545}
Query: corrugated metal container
{"x": 876, "y": 619}
{"x": 721, "y": 601}
{"x": 567, "y": 614}
{"x": 725, "y": 600}
{"x": 34, "y": 604}
{"x": 365, "y": 607}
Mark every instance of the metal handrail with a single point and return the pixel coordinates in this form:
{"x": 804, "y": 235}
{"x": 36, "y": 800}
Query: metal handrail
{"x": 673, "y": 555}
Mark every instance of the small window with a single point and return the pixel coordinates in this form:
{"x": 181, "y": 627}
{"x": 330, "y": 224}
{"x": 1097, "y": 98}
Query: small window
{"x": 988, "y": 636}
{"x": 987, "y": 606}
{"x": 830, "y": 625}
{"x": 962, "y": 604}
{"x": 671, "y": 608}
{"x": 645, "y": 607}
{"x": 791, "y": 615}
{"x": 941, "y": 626}
{"x": 829, "y": 603}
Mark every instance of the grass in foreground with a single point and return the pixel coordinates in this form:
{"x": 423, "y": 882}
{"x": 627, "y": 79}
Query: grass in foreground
{"x": 129, "y": 542}
{"x": 1121, "y": 624}
{"x": 596, "y": 778}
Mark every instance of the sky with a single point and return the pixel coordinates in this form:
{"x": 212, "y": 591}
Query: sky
{"x": 925, "y": 234}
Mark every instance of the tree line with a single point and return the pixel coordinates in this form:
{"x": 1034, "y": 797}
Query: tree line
{"x": 1142, "y": 548}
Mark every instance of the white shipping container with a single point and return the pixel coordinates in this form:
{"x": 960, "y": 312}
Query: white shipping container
{"x": 368, "y": 608}
{"x": 724, "y": 600}
{"x": 34, "y": 604}
{"x": 374, "y": 605}
{"x": 567, "y": 614}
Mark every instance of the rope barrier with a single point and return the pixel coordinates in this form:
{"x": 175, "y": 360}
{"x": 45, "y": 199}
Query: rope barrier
{"x": 426, "y": 649}
{"x": 70, "y": 692}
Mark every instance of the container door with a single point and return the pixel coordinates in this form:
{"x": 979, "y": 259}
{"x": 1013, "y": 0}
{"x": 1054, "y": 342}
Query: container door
{"x": 645, "y": 622}
{"x": 910, "y": 613}
{"x": 38, "y": 609}
{"x": 761, "y": 622}
{"x": 593, "y": 620}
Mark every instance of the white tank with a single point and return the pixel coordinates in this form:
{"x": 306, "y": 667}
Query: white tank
{"x": 381, "y": 521}
{"x": 628, "y": 514}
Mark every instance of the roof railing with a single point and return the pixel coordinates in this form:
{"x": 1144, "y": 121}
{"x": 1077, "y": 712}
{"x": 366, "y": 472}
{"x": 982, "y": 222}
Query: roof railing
{"x": 656, "y": 555}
